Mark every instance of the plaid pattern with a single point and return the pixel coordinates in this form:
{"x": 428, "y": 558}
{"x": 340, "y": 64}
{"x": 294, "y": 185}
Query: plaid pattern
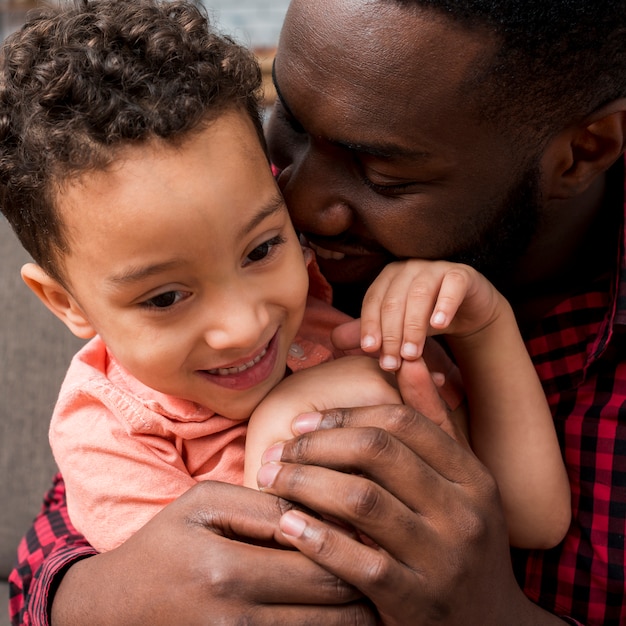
{"x": 49, "y": 547}
{"x": 579, "y": 350}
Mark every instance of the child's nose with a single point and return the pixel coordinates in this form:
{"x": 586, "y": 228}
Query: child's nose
{"x": 238, "y": 323}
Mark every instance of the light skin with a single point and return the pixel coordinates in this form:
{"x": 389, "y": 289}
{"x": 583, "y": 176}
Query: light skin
{"x": 185, "y": 282}
{"x": 181, "y": 278}
{"x": 198, "y": 290}
{"x": 338, "y": 87}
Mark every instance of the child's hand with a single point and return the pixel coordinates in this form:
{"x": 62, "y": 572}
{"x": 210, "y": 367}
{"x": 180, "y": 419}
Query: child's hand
{"x": 413, "y": 299}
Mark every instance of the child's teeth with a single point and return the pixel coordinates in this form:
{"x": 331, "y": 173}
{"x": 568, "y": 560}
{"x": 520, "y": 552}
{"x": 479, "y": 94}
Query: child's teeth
{"x": 226, "y": 371}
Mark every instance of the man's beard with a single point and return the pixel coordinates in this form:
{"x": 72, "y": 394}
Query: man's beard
{"x": 504, "y": 241}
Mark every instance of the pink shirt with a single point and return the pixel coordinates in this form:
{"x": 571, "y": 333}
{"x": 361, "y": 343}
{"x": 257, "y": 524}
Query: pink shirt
{"x": 126, "y": 450}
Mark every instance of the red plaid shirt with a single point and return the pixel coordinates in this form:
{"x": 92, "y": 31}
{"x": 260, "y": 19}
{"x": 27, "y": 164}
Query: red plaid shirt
{"x": 579, "y": 350}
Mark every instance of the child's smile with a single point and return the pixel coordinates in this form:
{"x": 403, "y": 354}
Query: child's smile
{"x": 248, "y": 372}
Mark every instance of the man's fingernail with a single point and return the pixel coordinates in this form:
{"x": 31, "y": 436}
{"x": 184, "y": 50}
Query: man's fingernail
{"x": 273, "y": 453}
{"x": 267, "y": 475}
{"x": 292, "y": 525}
{"x": 307, "y": 422}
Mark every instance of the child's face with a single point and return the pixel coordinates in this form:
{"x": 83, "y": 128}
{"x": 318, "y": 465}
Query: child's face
{"x": 185, "y": 262}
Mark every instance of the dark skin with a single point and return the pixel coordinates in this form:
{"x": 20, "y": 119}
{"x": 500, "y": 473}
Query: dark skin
{"x": 448, "y": 558}
{"x": 376, "y": 177}
{"x": 191, "y": 565}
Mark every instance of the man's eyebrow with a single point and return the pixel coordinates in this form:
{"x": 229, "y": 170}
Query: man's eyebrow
{"x": 136, "y": 274}
{"x": 385, "y": 151}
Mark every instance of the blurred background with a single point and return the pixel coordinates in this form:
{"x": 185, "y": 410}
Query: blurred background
{"x": 255, "y": 23}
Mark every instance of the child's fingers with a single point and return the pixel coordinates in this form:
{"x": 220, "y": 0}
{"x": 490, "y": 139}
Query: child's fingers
{"x": 370, "y": 335}
{"x": 451, "y": 294}
{"x": 421, "y": 295}
{"x": 392, "y": 323}
{"x": 347, "y": 336}
{"x": 419, "y": 391}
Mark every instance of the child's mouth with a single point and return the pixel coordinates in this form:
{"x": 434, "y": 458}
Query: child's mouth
{"x": 248, "y": 374}
{"x": 226, "y": 371}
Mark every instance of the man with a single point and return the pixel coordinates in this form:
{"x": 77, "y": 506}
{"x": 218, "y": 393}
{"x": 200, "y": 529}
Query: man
{"x": 486, "y": 132}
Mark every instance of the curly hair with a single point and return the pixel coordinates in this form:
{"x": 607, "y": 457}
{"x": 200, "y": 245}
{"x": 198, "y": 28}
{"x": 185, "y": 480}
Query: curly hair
{"x": 556, "y": 60}
{"x": 81, "y": 80}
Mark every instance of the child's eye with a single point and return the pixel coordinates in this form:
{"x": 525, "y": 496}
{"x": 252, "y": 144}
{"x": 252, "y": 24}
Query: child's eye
{"x": 264, "y": 250}
{"x": 165, "y": 300}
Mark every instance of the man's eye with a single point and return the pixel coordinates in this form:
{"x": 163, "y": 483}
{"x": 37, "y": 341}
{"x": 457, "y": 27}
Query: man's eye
{"x": 291, "y": 121}
{"x": 164, "y": 300}
{"x": 389, "y": 189}
{"x": 265, "y": 249}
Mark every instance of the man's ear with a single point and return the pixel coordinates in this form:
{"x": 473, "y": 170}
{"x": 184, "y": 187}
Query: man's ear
{"x": 58, "y": 300}
{"x": 577, "y": 155}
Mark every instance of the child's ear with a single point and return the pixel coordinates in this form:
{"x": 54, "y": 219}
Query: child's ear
{"x": 580, "y": 153}
{"x": 58, "y": 300}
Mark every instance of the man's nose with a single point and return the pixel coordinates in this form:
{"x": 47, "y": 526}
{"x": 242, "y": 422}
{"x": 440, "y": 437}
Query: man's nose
{"x": 313, "y": 195}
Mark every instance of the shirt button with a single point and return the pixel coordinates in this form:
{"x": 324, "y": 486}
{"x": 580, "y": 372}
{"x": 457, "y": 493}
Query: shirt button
{"x": 297, "y": 352}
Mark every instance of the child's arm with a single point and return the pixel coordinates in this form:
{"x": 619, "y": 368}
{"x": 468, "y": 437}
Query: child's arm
{"x": 347, "y": 382}
{"x": 511, "y": 427}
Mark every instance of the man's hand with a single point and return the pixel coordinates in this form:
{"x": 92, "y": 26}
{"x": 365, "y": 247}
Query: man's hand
{"x": 431, "y": 509}
{"x": 196, "y": 562}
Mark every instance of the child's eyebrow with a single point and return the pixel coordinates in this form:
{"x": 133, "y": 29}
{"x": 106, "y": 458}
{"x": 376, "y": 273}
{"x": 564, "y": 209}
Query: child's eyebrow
{"x": 137, "y": 274}
{"x": 274, "y": 205}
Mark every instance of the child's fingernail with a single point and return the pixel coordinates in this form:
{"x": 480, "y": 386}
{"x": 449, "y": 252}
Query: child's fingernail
{"x": 368, "y": 342}
{"x": 292, "y": 525}
{"x": 439, "y": 378}
{"x": 307, "y": 422}
{"x": 273, "y": 453}
{"x": 410, "y": 350}
{"x": 389, "y": 363}
{"x": 267, "y": 474}
{"x": 439, "y": 318}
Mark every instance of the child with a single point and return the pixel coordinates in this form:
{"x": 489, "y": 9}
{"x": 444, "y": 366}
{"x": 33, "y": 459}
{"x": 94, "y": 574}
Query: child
{"x": 133, "y": 171}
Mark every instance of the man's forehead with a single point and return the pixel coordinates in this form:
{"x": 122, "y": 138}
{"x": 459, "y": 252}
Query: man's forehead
{"x": 378, "y": 40}
{"x": 408, "y": 73}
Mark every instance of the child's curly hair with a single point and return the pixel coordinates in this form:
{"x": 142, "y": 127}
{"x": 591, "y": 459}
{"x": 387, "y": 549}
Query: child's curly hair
{"x": 81, "y": 80}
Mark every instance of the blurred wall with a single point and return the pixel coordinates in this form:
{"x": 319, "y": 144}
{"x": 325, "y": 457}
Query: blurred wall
{"x": 253, "y": 22}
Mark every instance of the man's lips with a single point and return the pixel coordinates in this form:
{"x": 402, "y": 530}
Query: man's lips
{"x": 348, "y": 261}
{"x": 323, "y": 253}
{"x": 341, "y": 247}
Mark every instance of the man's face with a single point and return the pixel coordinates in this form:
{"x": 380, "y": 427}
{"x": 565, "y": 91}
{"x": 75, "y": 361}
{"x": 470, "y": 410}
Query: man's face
{"x": 382, "y": 153}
